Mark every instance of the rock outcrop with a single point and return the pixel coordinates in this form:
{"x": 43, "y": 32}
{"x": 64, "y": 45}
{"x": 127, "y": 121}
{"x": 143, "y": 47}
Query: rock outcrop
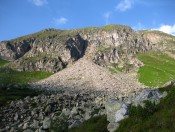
{"x": 12, "y": 50}
{"x": 159, "y": 40}
{"x": 52, "y": 50}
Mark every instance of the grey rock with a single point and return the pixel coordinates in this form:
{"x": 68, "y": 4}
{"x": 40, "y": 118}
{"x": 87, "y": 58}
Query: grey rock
{"x": 74, "y": 111}
{"x": 153, "y": 95}
{"x": 87, "y": 115}
{"x": 16, "y": 117}
{"x": 12, "y": 129}
{"x": 66, "y": 111}
{"x": 164, "y": 94}
{"x": 120, "y": 114}
{"x": 46, "y": 123}
{"x": 115, "y": 110}
{"x": 41, "y": 117}
{"x": 112, "y": 127}
{"x": 169, "y": 83}
{"x": 35, "y": 124}
{"x": 26, "y": 125}
{"x": 75, "y": 124}
{"x": 48, "y": 109}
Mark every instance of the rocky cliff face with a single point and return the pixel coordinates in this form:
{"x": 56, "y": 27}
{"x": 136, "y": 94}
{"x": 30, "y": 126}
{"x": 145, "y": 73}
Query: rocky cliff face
{"x": 12, "y": 50}
{"x": 159, "y": 40}
{"x": 52, "y": 50}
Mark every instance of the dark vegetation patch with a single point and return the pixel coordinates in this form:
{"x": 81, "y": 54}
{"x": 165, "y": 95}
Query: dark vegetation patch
{"x": 3, "y": 62}
{"x": 14, "y": 92}
{"x": 94, "y": 124}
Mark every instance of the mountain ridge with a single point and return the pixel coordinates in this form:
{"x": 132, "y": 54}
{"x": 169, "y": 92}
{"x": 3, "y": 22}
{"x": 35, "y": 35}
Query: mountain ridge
{"x": 52, "y": 50}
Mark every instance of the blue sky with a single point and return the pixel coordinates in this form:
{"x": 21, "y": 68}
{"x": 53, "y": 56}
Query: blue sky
{"x": 22, "y": 17}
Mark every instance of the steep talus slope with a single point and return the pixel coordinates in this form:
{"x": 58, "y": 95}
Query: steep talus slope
{"x": 52, "y": 50}
{"x": 85, "y": 75}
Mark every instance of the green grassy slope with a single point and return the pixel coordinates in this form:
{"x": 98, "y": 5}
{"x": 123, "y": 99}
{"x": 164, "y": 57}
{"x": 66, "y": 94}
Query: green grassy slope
{"x": 8, "y": 76}
{"x": 157, "y": 70}
{"x": 13, "y": 84}
{"x": 3, "y": 62}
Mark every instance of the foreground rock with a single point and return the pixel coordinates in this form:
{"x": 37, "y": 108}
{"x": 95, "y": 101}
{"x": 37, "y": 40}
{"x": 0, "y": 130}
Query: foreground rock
{"x": 67, "y": 110}
{"x": 117, "y": 110}
{"x": 41, "y": 112}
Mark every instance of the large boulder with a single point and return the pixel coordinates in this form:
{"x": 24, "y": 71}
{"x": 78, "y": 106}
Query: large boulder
{"x": 147, "y": 94}
{"x": 112, "y": 126}
{"x": 115, "y": 110}
{"x": 46, "y": 123}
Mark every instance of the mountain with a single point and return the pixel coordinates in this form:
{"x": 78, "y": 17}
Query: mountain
{"x": 85, "y": 62}
{"x": 52, "y": 50}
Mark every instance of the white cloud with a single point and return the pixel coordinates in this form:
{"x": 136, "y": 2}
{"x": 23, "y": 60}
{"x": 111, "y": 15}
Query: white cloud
{"x": 60, "y": 21}
{"x": 39, "y": 2}
{"x": 106, "y": 16}
{"x": 125, "y": 5}
{"x": 170, "y": 29}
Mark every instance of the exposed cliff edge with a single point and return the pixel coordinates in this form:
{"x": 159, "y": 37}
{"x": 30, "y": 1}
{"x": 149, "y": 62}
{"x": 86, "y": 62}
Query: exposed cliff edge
{"x": 52, "y": 50}
{"x": 159, "y": 40}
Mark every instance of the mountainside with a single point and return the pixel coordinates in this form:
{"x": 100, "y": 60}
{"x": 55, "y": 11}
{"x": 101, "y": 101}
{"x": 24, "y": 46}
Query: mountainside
{"x": 85, "y": 85}
{"x": 52, "y": 50}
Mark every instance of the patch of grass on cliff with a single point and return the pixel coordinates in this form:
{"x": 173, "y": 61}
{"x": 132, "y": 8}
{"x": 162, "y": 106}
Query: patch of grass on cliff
{"x": 94, "y": 124}
{"x": 3, "y": 62}
{"x": 113, "y": 27}
{"x": 103, "y": 48}
{"x": 157, "y": 70}
{"x": 160, "y": 119}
